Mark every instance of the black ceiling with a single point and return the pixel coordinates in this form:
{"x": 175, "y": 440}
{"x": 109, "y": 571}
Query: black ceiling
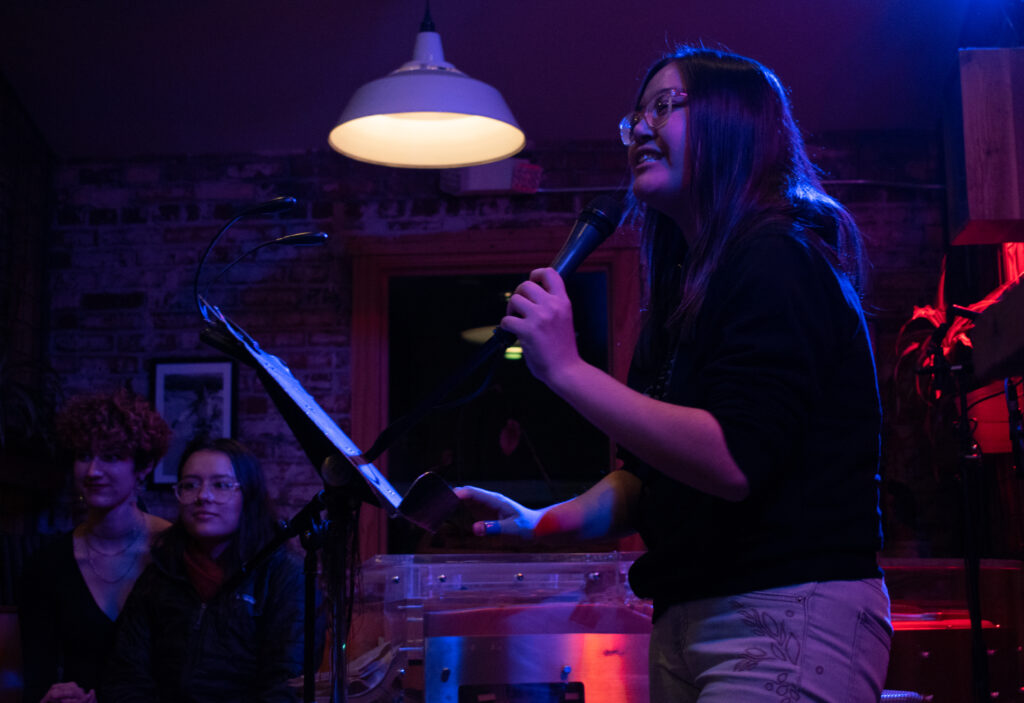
{"x": 118, "y": 78}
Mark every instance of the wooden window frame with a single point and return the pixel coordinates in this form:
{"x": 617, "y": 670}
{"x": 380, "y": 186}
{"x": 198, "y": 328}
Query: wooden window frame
{"x": 375, "y": 259}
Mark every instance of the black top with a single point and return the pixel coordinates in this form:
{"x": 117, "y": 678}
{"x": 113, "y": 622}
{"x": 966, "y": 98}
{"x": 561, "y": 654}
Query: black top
{"x": 65, "y": 636}
{"x": 780, "y": 356}
{"x": 242, "y": 646}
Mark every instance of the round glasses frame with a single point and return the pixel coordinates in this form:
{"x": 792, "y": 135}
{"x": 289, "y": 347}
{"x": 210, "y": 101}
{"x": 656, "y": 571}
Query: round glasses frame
{"x": 220, "y": 490}
{"x": 655, "y": 113}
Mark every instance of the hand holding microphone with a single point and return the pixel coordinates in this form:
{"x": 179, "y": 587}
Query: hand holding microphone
{"x": 539, "y": 313}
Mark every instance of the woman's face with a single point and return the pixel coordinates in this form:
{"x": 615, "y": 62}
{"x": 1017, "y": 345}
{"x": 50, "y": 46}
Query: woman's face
{"x": 104, "y": 479}
{"x": 211, "y": 516}
{"x": 657, "y": 157}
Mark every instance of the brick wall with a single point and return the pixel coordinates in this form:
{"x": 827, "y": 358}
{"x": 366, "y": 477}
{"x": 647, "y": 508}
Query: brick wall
{"x": 127, "y": 235}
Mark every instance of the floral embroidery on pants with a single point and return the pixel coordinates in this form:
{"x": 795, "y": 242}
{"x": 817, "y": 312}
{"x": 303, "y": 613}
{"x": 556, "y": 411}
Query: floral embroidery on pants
{"x": 782, "y": 646}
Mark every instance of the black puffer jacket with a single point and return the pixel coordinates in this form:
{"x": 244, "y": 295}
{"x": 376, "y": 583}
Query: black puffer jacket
{"x": 244, "y": 645}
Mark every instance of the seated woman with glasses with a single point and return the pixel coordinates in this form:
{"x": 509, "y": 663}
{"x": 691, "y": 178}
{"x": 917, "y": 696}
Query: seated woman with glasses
{"x": 73, "y": 589}
{"x": 193, "y": 629}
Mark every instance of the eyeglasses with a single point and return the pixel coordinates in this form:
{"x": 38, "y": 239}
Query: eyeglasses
{"x": 655, "y": 113}
{"x": 220, "y": 490}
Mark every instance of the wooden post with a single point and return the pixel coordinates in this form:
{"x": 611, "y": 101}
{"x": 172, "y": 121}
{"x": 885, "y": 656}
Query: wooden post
{"x": 992, "y": 100}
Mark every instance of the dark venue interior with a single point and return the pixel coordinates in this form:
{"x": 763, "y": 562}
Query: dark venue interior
{"x": 131, "y": 132}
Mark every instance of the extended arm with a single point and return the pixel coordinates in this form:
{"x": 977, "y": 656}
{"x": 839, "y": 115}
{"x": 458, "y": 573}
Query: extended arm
{"x": 684, "y": 443}
{"x": 605, "y": 510}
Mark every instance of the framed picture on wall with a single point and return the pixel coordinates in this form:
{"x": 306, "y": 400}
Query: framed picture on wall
{"x": 197, "y": 398}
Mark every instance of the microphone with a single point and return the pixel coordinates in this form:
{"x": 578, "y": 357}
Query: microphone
{"x": 271, "y": 207}
{"x": 595, "y": 224}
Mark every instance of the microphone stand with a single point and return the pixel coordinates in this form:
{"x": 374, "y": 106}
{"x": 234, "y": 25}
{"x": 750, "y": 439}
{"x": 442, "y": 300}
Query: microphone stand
{"x": 312, "y": 539}
{"x": 970, "y": 475}
{"x": 427, "y": 503}
{"x": 947, "y": 378}
{"x": 1016, "y": 422}
{"x": 308, "y": 526}
{"x": 500, "y": 341}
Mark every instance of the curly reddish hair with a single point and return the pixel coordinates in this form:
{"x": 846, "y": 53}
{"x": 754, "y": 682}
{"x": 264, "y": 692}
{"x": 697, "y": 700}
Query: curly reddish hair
{"x": 120, "y": 423}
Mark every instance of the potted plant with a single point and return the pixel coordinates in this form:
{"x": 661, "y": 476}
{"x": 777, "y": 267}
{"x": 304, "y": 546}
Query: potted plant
{"x": 929, "y": 344}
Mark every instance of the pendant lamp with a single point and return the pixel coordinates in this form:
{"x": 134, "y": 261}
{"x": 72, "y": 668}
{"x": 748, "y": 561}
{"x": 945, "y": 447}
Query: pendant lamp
{"x": 427, "y": 114}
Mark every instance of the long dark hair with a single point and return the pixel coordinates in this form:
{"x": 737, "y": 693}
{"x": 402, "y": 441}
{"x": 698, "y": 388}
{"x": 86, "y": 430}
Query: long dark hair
{"x": 256, "y": 523}
{"x": 749, "y": 174}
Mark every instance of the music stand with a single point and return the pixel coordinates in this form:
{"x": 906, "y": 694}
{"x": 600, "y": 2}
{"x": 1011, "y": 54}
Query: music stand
{"x": 348, "y": 479}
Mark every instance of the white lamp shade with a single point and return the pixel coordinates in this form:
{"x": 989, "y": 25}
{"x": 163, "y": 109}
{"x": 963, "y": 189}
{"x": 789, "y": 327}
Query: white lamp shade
{"x": 427, "y": 115}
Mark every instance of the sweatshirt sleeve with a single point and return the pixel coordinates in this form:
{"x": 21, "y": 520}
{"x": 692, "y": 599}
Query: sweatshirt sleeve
{"x": 767, "y": 331}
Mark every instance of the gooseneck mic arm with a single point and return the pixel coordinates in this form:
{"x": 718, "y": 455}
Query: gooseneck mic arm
{"x": 595, "y": 224}
{"x": 299, "y": 239}
{"x": 271, "y": 207}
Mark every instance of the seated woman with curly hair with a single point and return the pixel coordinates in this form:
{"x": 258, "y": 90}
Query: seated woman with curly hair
{"x": 75, "y": 587}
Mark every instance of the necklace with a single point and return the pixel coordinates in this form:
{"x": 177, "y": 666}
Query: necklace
{"x": 89, "y": 549}
{"x": 659, "y": 387}
{"x": 135, "y": 538}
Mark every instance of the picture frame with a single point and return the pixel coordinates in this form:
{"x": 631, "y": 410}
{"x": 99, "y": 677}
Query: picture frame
{"x": 196, "y": 397}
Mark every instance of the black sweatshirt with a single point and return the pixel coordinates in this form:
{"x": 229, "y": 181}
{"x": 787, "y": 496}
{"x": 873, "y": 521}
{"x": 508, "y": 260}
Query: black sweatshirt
{"x": 780, "y": 356}
{"x": 243, "y": 646}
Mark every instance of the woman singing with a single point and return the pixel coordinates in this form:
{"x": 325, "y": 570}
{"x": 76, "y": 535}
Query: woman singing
{"x": 749, "y": 426}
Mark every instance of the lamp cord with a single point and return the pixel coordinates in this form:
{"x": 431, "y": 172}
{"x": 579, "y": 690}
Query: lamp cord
{"x": 427, "y": 25}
